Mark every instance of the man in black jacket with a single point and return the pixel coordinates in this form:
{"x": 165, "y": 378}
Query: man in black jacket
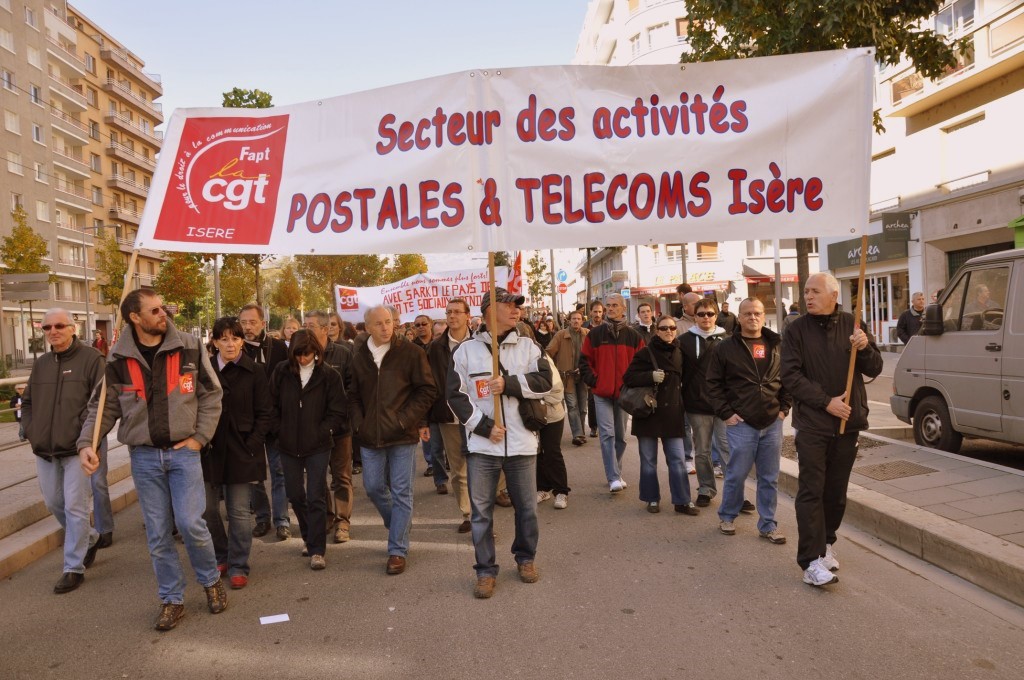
{"x": 815, "y": 358}
{"x": 267, "y": 352}
{"x": 910, "y": 321}
{"x": 54, "y": 406}
{"x": 744, "y": 386}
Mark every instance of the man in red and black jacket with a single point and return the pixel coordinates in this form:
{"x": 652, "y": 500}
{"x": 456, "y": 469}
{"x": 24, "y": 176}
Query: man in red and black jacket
{"x": 607, "y": 351}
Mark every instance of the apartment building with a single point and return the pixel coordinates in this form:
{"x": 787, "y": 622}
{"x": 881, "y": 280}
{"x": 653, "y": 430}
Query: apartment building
{"x": 79, "y": 145}
{"x": 647, "y": 32}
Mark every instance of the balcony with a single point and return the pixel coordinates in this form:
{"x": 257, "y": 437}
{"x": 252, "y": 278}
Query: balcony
{"x": 128, "y": 185}
{"x": 69, "y": 126}
{"x": 123, "y": 214}
{"x": 121, "y": 58}
{"x": 70, "y": 93}
{"x": 72, "y": 196}
{"x": 125, "y": 94}
{"x": 66, "y": 55}
{"x": 123, "y": 153}
{"x": 131, "y": 127}
{"x": 72, "y": 162}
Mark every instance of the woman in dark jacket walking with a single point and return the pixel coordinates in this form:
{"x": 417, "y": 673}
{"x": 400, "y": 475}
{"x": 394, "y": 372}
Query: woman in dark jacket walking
{"x": 659, "y": 364}
{"x": 310, "y": 410}
{"x": 236, "y": 456}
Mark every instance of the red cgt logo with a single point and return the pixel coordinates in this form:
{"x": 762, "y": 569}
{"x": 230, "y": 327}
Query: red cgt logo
{"x": 226, "y": 177}
{"x": 348, "y": 299}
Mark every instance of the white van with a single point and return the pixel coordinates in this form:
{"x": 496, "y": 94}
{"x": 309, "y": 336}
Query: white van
{"x": 963, "y": 374}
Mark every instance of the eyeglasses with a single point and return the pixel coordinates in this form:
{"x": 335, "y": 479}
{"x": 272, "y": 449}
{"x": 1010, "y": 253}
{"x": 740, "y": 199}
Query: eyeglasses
{"x": 666, "y": 328}
{"x": 55, "y": 326}
{"x": 706, "y": 315}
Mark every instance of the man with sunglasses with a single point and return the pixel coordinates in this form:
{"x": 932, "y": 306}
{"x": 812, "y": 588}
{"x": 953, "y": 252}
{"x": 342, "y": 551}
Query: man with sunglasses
{"x": 161, "y": 385}
{"x": 423, "y": 328}
{"x": 52, "y": 412}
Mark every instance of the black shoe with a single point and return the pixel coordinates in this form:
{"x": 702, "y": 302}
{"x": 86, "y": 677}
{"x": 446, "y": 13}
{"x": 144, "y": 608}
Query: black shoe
{"x": 69, "y": 580}
{"x": 90, "y": 555}
{"x": 465, "y": 527}
{"x": 106, "y": 540}
{"x": 748, "y": 508}
{"x": 688, "y": 509}
{"x": 429, "y": 472}
{"x": 703, "y": 500}
{"x": 261, "y": 529}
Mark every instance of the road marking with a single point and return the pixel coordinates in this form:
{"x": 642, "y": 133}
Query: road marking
{"x": 878, "y": 403}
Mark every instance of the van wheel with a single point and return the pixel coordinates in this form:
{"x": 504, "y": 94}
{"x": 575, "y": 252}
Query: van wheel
{"x": 933, "y": 427}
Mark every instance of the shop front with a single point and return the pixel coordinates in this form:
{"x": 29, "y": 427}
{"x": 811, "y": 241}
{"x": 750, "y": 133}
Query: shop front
{"x": 886, "y": 282}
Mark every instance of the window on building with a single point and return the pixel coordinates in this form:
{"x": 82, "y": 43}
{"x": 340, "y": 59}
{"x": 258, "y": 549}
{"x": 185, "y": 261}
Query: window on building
{"x": 658, "y": 35}
{"x": 90, "y": 63}
{"x": 42, "y": 211}
{"x": 11, "y": 122}
{"x": 634, "y": 45}
{"x": 41, "y": 173}
{"x": 7, "y": 78}
{"x": 16, "y": 202}
{"x": 112, "y": 107}
{"x": 6, "y": 40}
{"x": 707, "y": 251}
{"x": 58, "y": 217}
{"x": 760, "y": 249}
{"x": 92, "y": 96}
{"x": 115, "y": 168}
{"x": 35, "y": 94}
{"x": 634, "y": 6}
{"x": 682, "y": 28}
{"x": 94, "y": 129}
{"x": 6, "y": 4}
{"x": 97, "y": 196}
{"x": 95, "y": 162}
{"x": 30, "y": 17}
{"x": 37, "y": 133}
{"x": 34, "y": 57}
{"x": 97, "y": 224}
{"x": 954, "y": 17}
{"x": 14, "y": 163}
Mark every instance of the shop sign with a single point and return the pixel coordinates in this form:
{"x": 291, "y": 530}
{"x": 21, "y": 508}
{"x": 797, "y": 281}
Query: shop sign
{"x": 896, "y": 226}
{"x": 847, "y": 253}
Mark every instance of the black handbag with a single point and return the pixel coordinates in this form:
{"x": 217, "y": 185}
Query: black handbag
{"x": 640, "y": 402}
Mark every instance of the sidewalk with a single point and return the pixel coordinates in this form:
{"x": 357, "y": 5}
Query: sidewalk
{"x": 964, "y": 516}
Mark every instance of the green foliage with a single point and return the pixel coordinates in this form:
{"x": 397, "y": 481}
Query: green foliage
{"x": 238, "y": 280}
{"x": 23, "y": 251}
{"x": 181, "y": 279}
{"x": 286, "y": 294}
{"x": 503, "y": 259}
{"x": 319, "y": 274}
{"x": 539, "y": 277}
{"x": 238, "y": 98}
{"x": 404, "y": 266}
{"x": 111, "y": 266}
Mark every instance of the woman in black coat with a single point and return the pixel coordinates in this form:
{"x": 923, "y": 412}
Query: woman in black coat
{"x": 236, "y": 456}
{"x": 310, "y": 410}
{"x": 659, "y": 365}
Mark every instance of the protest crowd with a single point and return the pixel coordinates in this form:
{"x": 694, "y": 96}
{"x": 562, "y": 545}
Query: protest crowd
{"x": 321, "y": 402}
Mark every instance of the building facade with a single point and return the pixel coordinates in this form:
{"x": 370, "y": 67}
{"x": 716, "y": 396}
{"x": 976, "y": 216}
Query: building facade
{"x": 79, "y": 145}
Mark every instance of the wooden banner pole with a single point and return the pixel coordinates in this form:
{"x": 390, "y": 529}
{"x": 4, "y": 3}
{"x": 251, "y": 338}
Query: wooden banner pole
{"x": 492, "y": 327}
{"x": 856, "y": 324}
{"x": 97, "y": 426}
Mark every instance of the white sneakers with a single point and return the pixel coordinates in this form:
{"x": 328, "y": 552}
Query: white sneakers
{"x": 691, "y": 469}
{"x": 817, "y": 574}
{"x": 616, "y": 486}
{"x": 543, "y": 496}
{"x": 561, "y": 501}
{"x": 829, "y": 561}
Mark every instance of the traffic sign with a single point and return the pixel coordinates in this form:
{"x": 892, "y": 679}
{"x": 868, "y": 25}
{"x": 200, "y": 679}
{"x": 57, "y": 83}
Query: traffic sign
{"x": 562, "y": 288}
{"x": 625, "y": 293}
{"x": 563, "y": 276}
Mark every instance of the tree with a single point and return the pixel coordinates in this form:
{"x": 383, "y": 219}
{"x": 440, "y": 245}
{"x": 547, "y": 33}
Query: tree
{"x": 247, "y": 99}
{"x": 238, "y": 282}
{"x": 287, "y": 293}
{"x": 404, "y": 266}
{"x": 23, "y": 251}
{"x": 540, "y": 279}
{"x": 503, "y": 259}
{"x": 181, "y": 279}
{"x": 320, "y": 273}
{"x": 111, "y": 266}
{"x": 724, "y": 29}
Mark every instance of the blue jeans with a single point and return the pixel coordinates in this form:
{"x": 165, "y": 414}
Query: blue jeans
{"x": 678, "y": 480}
{"x": 66, "y": 492}
{"x": 169, "y": 483}
{"x": 750, "y": 447}
{"x": 437, "y": 454}
{"x": 278, "y": 501}
{"x": 387, "y": 478}
{"x": 305, "y": 480}
{"x": 521, "y": 477}
{"x": 687, "y": 437}
{"x": 611, "y": 425}
{"x": 232, "y": 548}
{"x": 576, "y": 408}
{"x": 102, "y": 513}
{"x": 706, "y": 430}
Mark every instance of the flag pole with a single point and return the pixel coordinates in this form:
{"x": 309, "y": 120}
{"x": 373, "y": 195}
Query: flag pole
{"x": 856, "y": 324}
{"x": 492, "y": 326}
{"x": 97, "y": 426}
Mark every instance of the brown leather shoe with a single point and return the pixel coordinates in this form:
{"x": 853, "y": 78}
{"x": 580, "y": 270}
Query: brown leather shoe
{"x": 465, "y": 527}
{"x": 502, "y": 499}
{"x": 442, "y": 489}
{"x": 484, "y": 587}
{"x": 217, "y": 597}
{"x": 396, "y": 565}
{"x": 528, "y": 572}
{"x": 341, "y": 534}
{"x": 169, "y": 616}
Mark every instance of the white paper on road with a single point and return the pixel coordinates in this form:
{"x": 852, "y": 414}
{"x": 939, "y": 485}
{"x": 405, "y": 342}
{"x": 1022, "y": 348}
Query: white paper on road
{"x": 276, "y": 618}
{"x": 526, "y": 158}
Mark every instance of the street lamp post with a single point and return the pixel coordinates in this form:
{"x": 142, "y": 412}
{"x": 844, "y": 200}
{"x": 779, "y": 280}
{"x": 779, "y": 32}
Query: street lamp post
{"x": 85, "y": 275}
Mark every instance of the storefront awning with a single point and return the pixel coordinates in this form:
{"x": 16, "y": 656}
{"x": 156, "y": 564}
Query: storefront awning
{"x": 786, "y": 278}
{"x": 698, "y": 287}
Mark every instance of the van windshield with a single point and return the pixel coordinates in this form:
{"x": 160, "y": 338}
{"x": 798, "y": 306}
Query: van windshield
{"x": 977, "y": 301}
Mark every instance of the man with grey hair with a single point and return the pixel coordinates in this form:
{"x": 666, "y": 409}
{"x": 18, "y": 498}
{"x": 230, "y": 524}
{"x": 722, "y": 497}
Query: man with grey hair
{"x": 607, "y": 351}
{"x": 910, "y": 321}
{"x": 815, "y": 357}
{"x": 53, "y": 410}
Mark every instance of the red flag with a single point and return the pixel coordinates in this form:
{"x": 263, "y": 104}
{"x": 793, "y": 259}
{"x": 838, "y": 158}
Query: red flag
{"x": 515, "y": 276}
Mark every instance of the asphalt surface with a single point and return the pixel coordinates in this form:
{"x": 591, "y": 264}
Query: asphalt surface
{"x": 623, "y": 593}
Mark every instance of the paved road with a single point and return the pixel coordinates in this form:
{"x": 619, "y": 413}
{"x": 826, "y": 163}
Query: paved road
{"x": 623, "y": 593}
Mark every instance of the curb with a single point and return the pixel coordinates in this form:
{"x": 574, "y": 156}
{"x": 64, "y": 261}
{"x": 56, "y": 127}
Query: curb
{"x": 985, "y": 560}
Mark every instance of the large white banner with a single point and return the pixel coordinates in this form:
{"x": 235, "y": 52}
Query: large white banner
{"x": 525, "y": 158}
{"x": 427, "y": 293}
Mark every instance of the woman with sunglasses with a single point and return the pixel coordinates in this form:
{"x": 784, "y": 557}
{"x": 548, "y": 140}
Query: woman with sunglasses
{"x": 236, "y": 456}
{"x": 660, "y": 365}
{"x": 310, "y": 410}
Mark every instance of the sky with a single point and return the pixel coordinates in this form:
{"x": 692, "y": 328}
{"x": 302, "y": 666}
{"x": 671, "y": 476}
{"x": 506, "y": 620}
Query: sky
{"x": 300, "y": 51}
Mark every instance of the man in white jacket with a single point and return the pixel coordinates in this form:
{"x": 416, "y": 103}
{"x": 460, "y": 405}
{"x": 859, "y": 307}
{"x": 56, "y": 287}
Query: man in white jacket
{"x": 493, "y": 448}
